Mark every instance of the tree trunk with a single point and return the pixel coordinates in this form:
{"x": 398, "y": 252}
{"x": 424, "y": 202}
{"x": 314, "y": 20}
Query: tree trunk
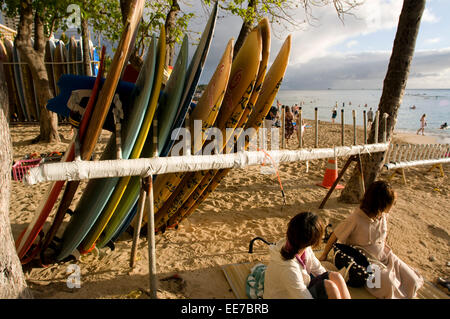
{"x": 34, "y": 56}
{"x": 392, "y": 95}
{"x": 87, "y": 70}
{"x": 246, "y": 28}
{"x": 171, "y": 21}
{"x": 12, "y": 280}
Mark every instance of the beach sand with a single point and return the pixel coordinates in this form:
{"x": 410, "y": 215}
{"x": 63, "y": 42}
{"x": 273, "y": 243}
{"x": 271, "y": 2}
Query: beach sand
{"x": 245, "y": 205}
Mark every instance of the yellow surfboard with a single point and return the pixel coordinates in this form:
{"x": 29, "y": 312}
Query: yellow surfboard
{"x": 242, "y": 80}
{"x": 264, "y": 27}
{"x": 119, "y": 190}
{"x": 268, "y": 93}
{"x": 206, "y": 111}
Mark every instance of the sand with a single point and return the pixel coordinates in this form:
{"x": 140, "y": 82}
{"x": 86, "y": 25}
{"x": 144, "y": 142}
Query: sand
{"x": 246, "y": 204}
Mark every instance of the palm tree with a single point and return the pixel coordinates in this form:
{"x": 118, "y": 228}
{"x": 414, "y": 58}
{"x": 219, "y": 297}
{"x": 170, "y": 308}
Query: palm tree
{"x": 12, "y": 280}
{"x": 392, "y": 95}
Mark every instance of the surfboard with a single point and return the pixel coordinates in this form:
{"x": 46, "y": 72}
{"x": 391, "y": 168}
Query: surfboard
{"x": 242, "y": 80}
{"x": 194, "y": 72}
{"x": 96, "y": 121}
{"x": 267, "y": 95}
{"x": 72, "y": 55}
{"x": 264, "y": 28}
{"x": 174, "y": 88}
{"x": 79, "y": 57}
{"x": 28, "y": 89}
{"x": 68, "y": 83}
{"x": 59, "y": 216}
{"x": 48, "y": 59}
{"x": 166, "y": 115}
{"x": 127, "y": 201}
{"x": 9, "y": 76}
{"x": 97, "y": 192}
{"x": 94, "y": 58}
{"x": 168, "y": 181}
{"x": 19, "y": 85}
{"x": 144, "y": 117}
{"x": 206, "y": 110}
{"x": 53, "y": 191}
{"x": 58, "y": 67}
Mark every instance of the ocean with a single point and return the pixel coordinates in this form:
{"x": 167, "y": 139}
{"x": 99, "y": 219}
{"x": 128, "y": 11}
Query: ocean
{"x": 435, "y": 103}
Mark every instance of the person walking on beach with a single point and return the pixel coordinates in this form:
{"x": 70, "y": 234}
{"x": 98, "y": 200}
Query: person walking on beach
{"x": 423, "y": 123}
{"x": 367, "y": 228}
{"x": 294, "y": 272}
{"x": 289, "y": 126}
{"x": 334, "y": 114}
{"x": 370, "y": 117}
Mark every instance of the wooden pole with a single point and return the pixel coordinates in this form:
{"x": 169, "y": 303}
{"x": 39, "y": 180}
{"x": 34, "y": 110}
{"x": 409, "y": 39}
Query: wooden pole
{"x": 300, "y": 128}
{"x": 263, "y": 136}
{"x": 412, "y": 153}
{"x": 316, "y": 119}
{"x": 385, "y": 117}
{"x": 400, "y": 153}
{"x": 151, "y": 240}
{"x": 427, "y": 154}
{"x": 420, "y": 151}
{"x": 342, "y": 127}
{"x": 137, "y": 229}
{"x": 338, "y": 179}
{"x": 365, "y": 126}
{"x": 361, "y": 176}
{"x": 354, "y": 127}
{"x": 377, "y": 123}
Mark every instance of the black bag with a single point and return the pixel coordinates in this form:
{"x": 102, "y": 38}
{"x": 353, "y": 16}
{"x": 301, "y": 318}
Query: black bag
{"x": 354, "y": 261}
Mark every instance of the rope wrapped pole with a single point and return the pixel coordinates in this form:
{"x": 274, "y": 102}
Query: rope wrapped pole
{"x": 365, "y": 126}
{"x": 81, "y": 170}
{"x": 377, "y": 123}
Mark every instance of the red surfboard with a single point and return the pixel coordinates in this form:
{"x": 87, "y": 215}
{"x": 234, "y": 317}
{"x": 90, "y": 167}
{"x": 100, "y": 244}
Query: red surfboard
{"x": 45, "y": 208}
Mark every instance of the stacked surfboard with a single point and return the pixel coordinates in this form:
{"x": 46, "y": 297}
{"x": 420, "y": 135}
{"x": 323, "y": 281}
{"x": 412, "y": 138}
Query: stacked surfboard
{"x": 238, "y": 96}
{"x": 59, "y": 59}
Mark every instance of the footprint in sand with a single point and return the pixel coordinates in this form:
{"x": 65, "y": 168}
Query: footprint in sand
{"x": 439, "y": 232}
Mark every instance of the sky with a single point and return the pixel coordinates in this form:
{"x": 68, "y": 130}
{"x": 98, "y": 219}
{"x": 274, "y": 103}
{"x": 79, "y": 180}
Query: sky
{"x": 349, "y": 54}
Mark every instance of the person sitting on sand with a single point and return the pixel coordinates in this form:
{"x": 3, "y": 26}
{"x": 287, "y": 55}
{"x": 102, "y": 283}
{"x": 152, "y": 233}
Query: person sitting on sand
{"x": 423, "y": 123}
{"x": 366, "y": 227}
{"x": 294, "y": 272}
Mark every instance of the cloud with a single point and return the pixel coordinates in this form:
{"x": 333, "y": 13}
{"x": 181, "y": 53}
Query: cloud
{"x": 429, "y": 69}
{"x": 352, "y": 43}
{"x": 433, "y": 40}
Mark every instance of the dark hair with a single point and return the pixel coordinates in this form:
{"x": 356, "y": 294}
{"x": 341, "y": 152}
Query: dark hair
{"x": 378, "y": 197}
{"x": 304, "y": 229}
